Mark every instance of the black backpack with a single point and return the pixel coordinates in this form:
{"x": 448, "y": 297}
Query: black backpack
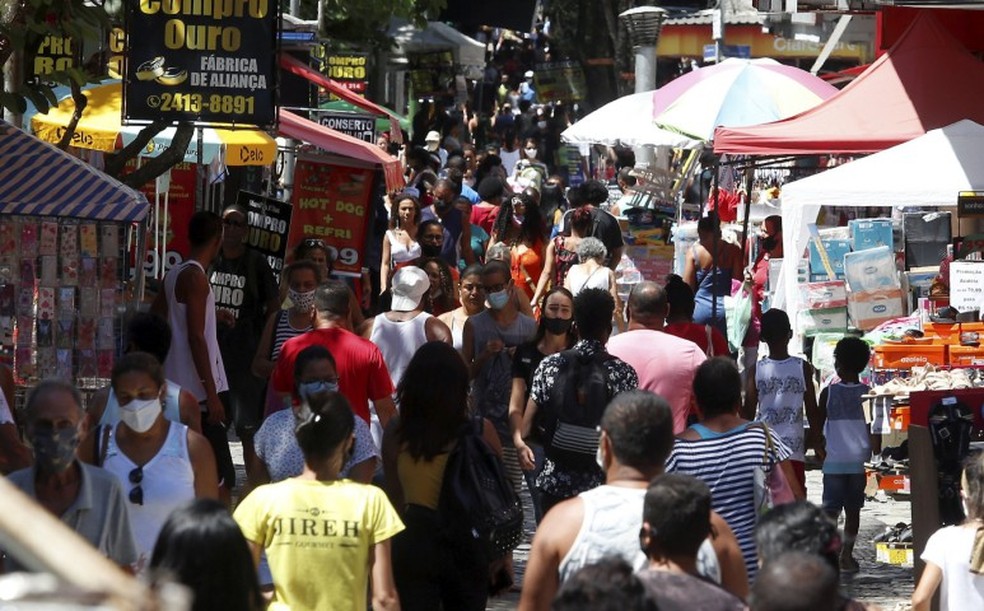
{"x": 478, "y": 505}
{"x": 577, "y": 401}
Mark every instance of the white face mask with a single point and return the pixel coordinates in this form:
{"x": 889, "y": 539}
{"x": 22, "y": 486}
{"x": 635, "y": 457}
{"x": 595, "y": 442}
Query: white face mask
{"x": 303, "y": 302}
{"x": 140, "y": 415}
{"x": 531, "y": 153}
{"x": 541, "y": 124}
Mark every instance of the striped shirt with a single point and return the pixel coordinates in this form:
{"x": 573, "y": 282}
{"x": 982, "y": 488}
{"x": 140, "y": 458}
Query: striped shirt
{"x": 283, "y": 332}
{"x": 726, "y": 463}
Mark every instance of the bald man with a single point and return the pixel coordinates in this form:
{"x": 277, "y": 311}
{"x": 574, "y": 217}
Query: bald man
{"x": 664, "y": 363}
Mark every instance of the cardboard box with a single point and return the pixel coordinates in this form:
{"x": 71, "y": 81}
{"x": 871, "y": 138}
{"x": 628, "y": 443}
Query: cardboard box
{"x": 907, "y": 356}
{"x": 871, "y": 269}
{"x": 823, "y": 295}
{"x": 869, "y": 309}
{"x": 832, "y": 320}
{"x": 868, "y": 233}
{"x": 836, "y": 249}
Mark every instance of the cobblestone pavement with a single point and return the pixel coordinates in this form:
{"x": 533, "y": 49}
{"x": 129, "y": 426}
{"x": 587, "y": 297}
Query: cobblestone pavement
{"x": 885, "y": 585}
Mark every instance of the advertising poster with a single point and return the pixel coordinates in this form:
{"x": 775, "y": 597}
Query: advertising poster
{"x": 431, "y": 73}
{"x": 208, "y": 62}
{"x": 172, "y": 227}
{"x": 559, "y": 82}
{"x": 349, "y": 69}
{"x": 51, "y": 54}
{"x": 332, "y": 203}
{"x": 269, "y": 221}
{"x": 361, "y": 126}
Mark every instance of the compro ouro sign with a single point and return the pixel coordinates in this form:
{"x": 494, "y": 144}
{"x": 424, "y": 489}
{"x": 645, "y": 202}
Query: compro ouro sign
{"x": 207, "y": 61}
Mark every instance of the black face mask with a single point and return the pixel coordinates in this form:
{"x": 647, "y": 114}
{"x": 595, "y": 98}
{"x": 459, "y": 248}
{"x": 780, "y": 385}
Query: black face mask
{"x": 769, "y": 243}
{"x": 430, "y": 250}
{"x": 557, "y": 326}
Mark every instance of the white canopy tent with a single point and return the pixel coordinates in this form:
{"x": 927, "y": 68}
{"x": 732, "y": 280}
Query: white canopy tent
{"x": 469, "y": 53}
{"x": 927, "y": 171}
{"x": 625, "y": 121}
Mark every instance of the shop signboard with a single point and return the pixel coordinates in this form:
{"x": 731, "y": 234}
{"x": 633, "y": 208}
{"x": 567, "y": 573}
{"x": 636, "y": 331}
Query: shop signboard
{"x": 970, "y": 204}
{"x": 331, "y": 202}
{"x": 357, "y": 125}
{"x": 268, "y": 220}
{"x": 206, "y": 62}
{"x": 559, "y": 82}
{"x": 431, "y": 73}
{"x": 348, "y": 69}
{"x": 50, "y": 54}
{"x": 575, "y": 165}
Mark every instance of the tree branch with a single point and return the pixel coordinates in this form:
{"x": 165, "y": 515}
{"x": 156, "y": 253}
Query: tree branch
{"x": 80, "y": 103}
{"x": 116, "y": 163}
{"x": 156, "y": 166}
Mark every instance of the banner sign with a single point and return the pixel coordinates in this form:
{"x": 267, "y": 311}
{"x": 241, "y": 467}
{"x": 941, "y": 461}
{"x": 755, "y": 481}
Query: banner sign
{"x": 172, "y": 222}
{"x": 332, "y": 203}
{"x": 207, "y": 61}
{"x": 559, "y": 82}
{"x": 357, "y": 125}
{"x": 51, "y": 54}
{"x": 430, "y": 73}
{"x": 268, "y": 220}
{"x": 349, "y": 69}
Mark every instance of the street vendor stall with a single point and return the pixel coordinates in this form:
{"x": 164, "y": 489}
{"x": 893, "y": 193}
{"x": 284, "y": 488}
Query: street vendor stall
{"x": 68, "y": 238}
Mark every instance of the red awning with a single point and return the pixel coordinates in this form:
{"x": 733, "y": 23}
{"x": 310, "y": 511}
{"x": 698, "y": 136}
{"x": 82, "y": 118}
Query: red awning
{"x": 299, "y": 128}
{"x": 925, "y": 81}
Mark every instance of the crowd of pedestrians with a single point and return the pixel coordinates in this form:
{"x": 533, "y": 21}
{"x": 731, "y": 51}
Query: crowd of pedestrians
{"x": 498, "y": 315}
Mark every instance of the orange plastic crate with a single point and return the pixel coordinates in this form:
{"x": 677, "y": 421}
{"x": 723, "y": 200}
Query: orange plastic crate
{"x": 965, "y": 356}
{"x": 907, "y": 356}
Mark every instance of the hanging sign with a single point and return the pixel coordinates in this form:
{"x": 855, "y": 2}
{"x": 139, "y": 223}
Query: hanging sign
{"x": 431, "y": 73}
{"x": 332, "y": 203}
{"x": 351, "y": 70}
{"x": 203, "y": 61}
{"x": 51, "y": 54}
{"x": 357, "y": 125}
{"x": 559, "y": 82}
{"x": 268, "y": 220}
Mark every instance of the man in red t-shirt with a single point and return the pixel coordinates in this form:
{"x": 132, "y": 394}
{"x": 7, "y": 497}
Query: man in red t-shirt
{"x": 362, "y": 373}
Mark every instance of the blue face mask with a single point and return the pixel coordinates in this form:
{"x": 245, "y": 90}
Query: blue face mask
{"x": 499, "y": 299}
{"x": 317, "y": 387}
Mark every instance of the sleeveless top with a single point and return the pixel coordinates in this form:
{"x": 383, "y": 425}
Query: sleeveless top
{"x": 178, "y": 365}
{"x": 283, "y": 332}
{"x": 713, "y": 284}
{"x": 421, "y": 479}
{"x": 781, "y": 388}
{"x": 398, "y": 341}
{"x": 457, "y": 333}
{"x": 168, "y": 483}
{"x": 400, "y": 252}
{"x": 563, "y": 260}
{"x": 172, "y": 408}
{"x": 581, "y": 279}
{"x": 611, "y": 524}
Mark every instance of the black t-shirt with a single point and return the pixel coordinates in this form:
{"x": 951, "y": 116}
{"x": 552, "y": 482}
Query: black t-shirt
{"x": 525, "y": 361}
{"x": 679, "y": 592}
{"x": 242, "y": 286}
{"x": 604, "y": 226}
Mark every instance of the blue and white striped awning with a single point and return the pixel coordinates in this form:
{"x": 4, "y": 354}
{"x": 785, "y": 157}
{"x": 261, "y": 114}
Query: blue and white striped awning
{"x": 38, "y": 179}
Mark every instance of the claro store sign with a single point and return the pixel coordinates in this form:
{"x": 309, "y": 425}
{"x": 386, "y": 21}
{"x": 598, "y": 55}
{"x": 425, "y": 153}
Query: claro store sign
{"x": 207, "y": 61}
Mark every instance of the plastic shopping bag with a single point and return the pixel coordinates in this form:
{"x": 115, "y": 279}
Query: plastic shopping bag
{"x": 738, "y": 314}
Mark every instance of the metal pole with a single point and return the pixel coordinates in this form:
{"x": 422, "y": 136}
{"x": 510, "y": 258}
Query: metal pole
{"x": 644, "y": 25}
{"x": 749, "y": 180}
{"x": 200, "y": 166}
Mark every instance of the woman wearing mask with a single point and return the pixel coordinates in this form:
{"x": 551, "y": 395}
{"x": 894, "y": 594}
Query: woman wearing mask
{"x": 302, "y": 278}
{"x": 314, "y": 249}
{"x": 430, "y": 569}
{"x": 277, "y": 454}
{"x": 529, "y": 157}
{"x": 352, "y": 523}
{"x": 431, "y": 237}
{"x": 520, "y": 226}
{"x": 160, "y": 464}
{"x": 400, "y": 241}
{"x": 472, "y": 298}
{"x": 553, "y": 334}
{"x": 592, "y": 273}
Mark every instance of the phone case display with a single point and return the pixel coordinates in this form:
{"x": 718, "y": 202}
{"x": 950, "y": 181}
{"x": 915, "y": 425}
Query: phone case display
{"x": 61, "y": 285}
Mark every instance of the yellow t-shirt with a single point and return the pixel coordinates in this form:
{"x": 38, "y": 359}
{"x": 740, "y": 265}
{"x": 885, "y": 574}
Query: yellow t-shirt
{"x": 318, "y": 537}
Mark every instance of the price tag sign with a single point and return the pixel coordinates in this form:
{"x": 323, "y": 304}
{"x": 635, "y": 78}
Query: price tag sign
{"x": 966, "y": 285}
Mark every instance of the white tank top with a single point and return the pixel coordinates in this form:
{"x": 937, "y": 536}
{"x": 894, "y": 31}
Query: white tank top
{"x": 398, "y": 341}
{"x": 179, "y": 365}
{"x": 580, "y": 279}
{"x": 612, "y": 520}
{"x": 401, "y": 252}
{"x": 168, "y": 483}
{"x": 172, "y": 407}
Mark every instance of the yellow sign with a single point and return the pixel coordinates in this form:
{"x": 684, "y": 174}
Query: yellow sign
{"x": 689, "y": 41}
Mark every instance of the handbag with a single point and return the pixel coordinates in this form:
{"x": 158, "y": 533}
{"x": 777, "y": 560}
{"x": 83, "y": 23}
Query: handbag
{"x": 770, "y": 484}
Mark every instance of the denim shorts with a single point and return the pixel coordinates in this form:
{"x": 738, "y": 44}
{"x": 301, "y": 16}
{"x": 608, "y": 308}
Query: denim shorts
{"x": 843, "y": 491}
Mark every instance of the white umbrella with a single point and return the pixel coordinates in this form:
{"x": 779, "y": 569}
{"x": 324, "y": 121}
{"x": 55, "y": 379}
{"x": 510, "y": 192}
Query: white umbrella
{"x": 627, "y": 121}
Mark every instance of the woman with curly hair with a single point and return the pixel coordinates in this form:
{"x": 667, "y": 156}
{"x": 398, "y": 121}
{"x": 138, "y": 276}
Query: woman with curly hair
{"x": 520, "y": 226}
{"x": 400, "y": 242}
{"x": 440, "y": 297}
